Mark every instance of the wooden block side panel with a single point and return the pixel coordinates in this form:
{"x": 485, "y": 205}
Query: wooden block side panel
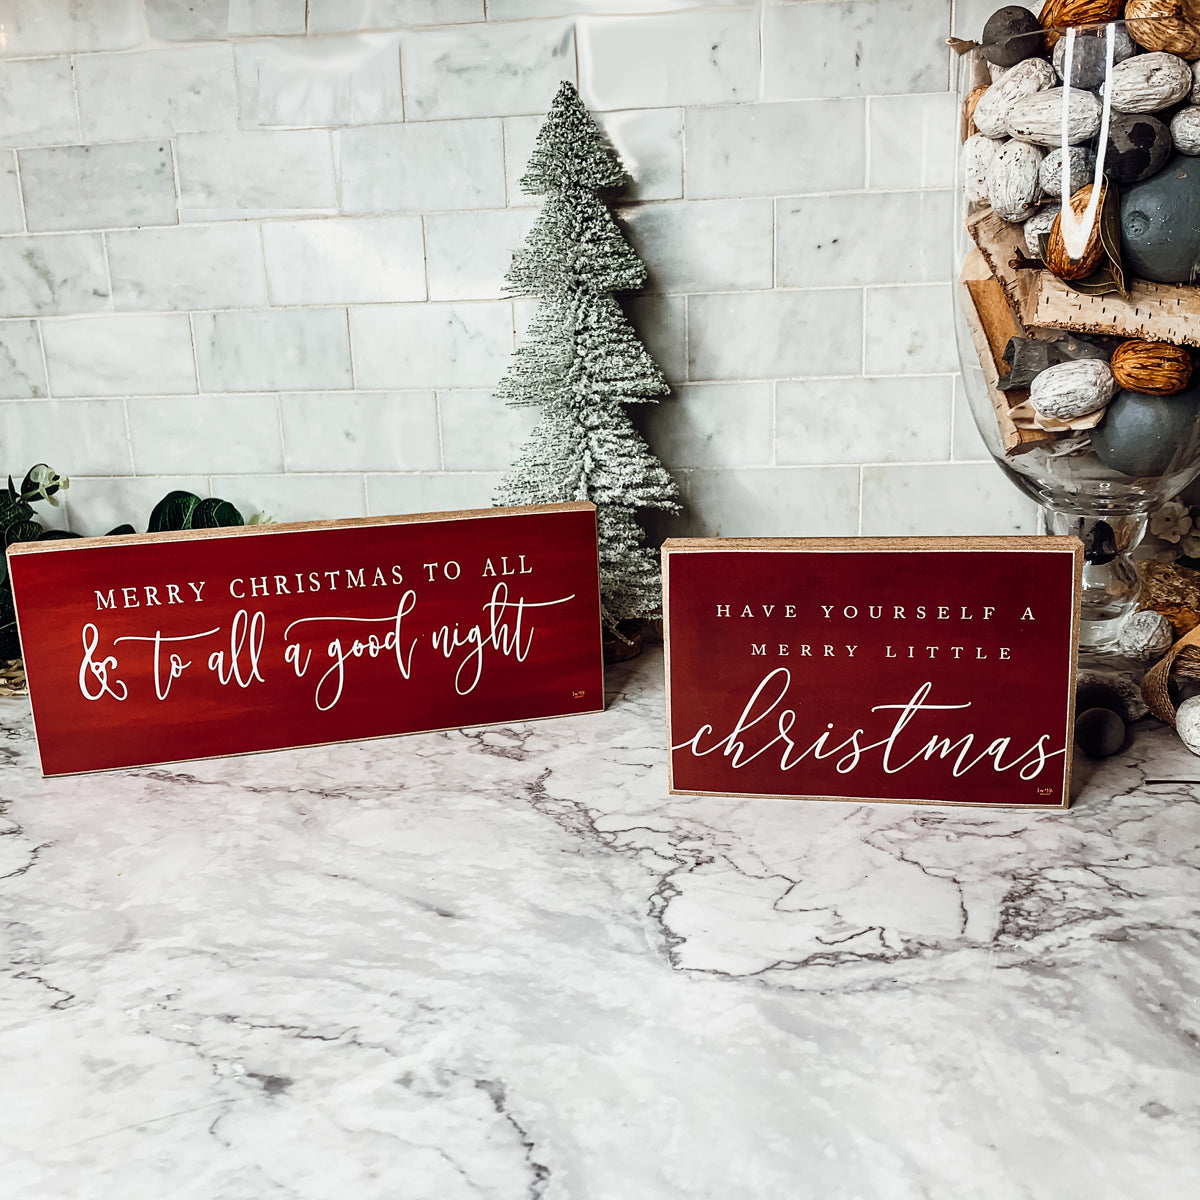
{"x": 150, "y": 649}
{"x": 904, "y": 670}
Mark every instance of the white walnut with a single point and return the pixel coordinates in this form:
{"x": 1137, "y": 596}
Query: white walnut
{"x": 1082, "y": 162}
{"x": 1194, "y": 95}
{"x": 1028, "y": 76}
{"x": 1038, "y": 224}
{"x": 1187, "y": 723}
{"x": 1072, "y": 389}
{"x": 1185, "y": 129}
{"x": 1149, "y": 82}
{"x": 977, "y": 154}
{"x": 1145, "y": 635}
{"x": 1037, "y": 118}
{"x": 1013, "y": 180}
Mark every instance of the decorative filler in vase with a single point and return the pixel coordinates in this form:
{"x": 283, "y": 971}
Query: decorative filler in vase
{"x": 1078, "y": 254}
{"x": 582, "y": 362}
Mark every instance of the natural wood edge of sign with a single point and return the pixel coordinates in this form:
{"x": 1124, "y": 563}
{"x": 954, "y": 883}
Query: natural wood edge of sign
{"x": 1037, "y": 543}
{"x": 1065, "y": 803}
{"x": 57, "y": 545}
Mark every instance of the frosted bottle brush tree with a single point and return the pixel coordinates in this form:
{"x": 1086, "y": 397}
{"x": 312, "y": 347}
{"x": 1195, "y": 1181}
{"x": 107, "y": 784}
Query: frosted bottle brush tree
{"x": 581, "y": 361}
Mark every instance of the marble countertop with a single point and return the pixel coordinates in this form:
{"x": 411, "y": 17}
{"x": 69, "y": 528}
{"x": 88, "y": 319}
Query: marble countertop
{"x": 505, "y": 963}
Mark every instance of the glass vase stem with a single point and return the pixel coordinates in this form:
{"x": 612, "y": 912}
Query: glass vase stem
{"x": 1110, "y": 578}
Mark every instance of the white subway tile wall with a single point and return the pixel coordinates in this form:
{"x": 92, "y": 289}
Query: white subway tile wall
{"x": 256, "y": 248}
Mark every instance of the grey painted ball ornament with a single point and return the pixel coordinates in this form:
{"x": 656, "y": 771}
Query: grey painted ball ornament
{"x": 1138, "y": 146}
{"x": 1144, "y": 435}
{"x": 1160, "y": 223}
{"x": 1011, "y": 34}
{"x": 1100, "y": 732}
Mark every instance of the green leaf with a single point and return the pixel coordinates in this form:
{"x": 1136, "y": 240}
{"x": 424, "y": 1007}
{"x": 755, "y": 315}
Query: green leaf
{"x": 173, "y": 512}
{"x": 23, "y": 531}
{"x": 56, "y": 535}
{"x": 119, "y": 530}
{"x": 215, "y": 514}
{"x": 13, "y": 510}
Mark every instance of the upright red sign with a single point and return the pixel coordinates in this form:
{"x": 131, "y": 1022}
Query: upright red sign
{"x": 154, "y": 648}
{"x": 934, "y": 670}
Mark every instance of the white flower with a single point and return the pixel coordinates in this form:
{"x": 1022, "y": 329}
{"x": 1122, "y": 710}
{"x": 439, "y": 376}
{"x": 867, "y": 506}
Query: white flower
{"x": 1171, "y": 522}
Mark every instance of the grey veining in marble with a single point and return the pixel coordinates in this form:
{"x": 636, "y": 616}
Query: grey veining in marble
{"x": 505, "y": 963}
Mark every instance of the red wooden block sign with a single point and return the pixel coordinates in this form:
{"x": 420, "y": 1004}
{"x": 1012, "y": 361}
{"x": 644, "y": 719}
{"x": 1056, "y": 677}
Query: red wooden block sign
{"x": 930, "y": 670}
{"x": 158, "y": 647}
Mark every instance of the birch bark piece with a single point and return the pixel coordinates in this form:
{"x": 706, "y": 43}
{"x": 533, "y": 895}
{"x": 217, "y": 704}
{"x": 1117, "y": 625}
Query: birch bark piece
{"x": 1161, "y": 312}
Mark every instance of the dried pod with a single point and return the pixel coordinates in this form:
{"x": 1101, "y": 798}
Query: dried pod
{"x": 1028, "y": 76}
{"x": 1148, "y": 82}
{"x": 1056, "y": 14}
{"x": 973, "y": 98}
{"x": 1039, "y": 223}
{"x": 1185, "y": 129}
{"x": 1058, "y": 258}
{"x": 1170, "y": 25}
{"x": 1013, "y": 180}
{"x": 977, "y": 154}
{"x": 1152, "y": 368}
{"x": 1072, "y": 389}
{"x": 1082, "y": 163}
{"x": 1037, "y": 117}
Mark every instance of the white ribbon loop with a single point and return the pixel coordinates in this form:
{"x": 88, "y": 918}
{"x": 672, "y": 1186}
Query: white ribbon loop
{"x": 1075, "y": 228}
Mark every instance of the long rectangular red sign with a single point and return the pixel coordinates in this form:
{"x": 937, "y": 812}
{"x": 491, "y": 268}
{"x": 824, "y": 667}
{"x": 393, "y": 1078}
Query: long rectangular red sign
{"x": 159, "y": 647}
{"x": 908, "y": 669}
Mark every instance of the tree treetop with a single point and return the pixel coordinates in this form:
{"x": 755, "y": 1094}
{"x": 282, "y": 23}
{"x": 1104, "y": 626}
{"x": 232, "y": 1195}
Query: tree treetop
{"x": 570, "y": 151}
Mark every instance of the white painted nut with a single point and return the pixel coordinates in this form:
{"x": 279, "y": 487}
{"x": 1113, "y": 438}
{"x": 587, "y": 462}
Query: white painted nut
{"x": 1185, "y": 129}
{"x": 1028, "y": 76}
{"x": 1013, "y": 180}
{"x": 1071, "y": 389}
{"x": 1194, "y": 97}
{"x": 1146, "y": 635}
{"x": 1037, "y": 118}
{"x": 977, "y": 154}
{"x": 1082, "y": 164}
{"x": 1038, "y": 224}
{"x": 1149, "y": 82}
{"x": 1187, "y": 724}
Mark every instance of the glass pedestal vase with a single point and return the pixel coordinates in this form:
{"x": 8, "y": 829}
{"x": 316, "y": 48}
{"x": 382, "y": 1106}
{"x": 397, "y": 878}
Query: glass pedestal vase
{"x": 1076, "y": 323}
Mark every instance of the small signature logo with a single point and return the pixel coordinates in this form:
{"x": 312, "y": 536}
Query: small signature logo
{"x": 578, "y": 695}
{"x": 1045, "y": 791}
